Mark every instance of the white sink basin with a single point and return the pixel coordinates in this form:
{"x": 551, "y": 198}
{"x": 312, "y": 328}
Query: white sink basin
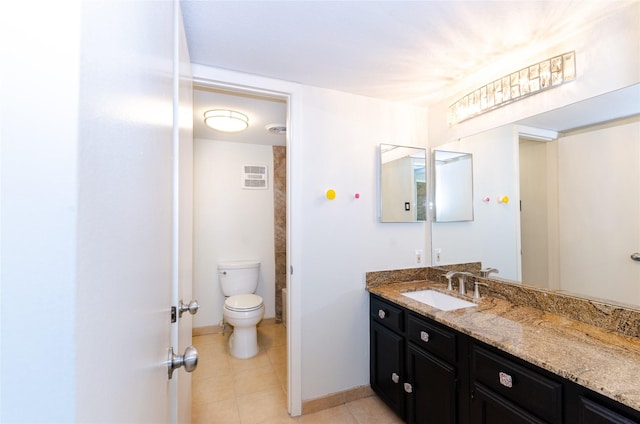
{"x": 439, "y": 300}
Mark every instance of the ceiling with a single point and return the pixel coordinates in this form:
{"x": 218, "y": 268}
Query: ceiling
{"x": 421, "y": 52}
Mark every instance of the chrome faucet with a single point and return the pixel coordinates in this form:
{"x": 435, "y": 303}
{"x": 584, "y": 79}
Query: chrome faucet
{"x": 462, "y": 277}
{"x": 484, "y": 273}
{"x": 449, "y": 275}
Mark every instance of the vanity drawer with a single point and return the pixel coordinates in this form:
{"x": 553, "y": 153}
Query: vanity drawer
{"x": 432, "y": 338}
{"x": 524, "y": 387}
{"x": 387, "y": 314}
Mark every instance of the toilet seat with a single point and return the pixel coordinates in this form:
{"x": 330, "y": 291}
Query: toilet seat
{"x": 243, "y": 302}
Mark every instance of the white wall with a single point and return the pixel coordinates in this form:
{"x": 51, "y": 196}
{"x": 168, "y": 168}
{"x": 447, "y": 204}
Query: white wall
{"x": 230, "y": 223}
{"x": 494, "y": 158}
{"x": 342, "y": 239}
{"x": 38, "y": 210}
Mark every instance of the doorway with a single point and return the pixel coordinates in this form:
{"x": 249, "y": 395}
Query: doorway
{"x": 233, "y": 221}
{"x": 538, "y": 211}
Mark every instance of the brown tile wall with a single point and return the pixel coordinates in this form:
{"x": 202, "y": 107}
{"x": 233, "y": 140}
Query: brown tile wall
{"x": 280, "y": 224}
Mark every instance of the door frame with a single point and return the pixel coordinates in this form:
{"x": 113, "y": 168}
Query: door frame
{"x": 290, "y": 93}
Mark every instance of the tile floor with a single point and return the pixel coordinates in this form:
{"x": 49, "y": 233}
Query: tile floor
{"x": 253, "y": 391}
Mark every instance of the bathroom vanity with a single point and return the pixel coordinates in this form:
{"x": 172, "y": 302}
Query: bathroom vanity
{"x": 497, "y": 362}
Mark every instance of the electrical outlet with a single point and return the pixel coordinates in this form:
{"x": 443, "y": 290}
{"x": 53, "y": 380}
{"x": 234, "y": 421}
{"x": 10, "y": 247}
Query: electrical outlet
{"x": 437, "y": 255}
{"x": 419, "y": 257}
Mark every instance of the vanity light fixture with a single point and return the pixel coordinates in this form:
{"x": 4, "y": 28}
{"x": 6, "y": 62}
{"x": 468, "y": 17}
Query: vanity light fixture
{"x": 226, "y": 120}
{"x": 533, "y": 79}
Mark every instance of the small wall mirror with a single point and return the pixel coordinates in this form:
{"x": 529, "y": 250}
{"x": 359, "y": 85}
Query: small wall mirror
{"x": 453, "y": 186}
{"x": 403, "y": 184}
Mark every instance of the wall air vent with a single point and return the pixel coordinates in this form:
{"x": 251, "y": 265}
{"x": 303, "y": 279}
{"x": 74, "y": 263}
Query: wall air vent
{"x": 254, "y": 177}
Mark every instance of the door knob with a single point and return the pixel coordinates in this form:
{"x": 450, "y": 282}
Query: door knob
{"x": 189, "y": 360}
{"x": 192, "y": 307}
{"x": 635, "y": 256}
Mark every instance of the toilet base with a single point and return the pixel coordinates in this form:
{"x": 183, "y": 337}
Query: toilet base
{"x": 243, "y": 342}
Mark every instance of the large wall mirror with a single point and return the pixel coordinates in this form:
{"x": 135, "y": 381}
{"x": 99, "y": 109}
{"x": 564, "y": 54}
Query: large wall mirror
{"x": 403, "y": 184}
{"x": 452, "y": 186}
{"x": 571, "y": 222}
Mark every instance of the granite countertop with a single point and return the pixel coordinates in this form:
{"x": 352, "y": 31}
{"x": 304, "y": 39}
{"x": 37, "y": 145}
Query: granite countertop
{"x": 601, "y": 360}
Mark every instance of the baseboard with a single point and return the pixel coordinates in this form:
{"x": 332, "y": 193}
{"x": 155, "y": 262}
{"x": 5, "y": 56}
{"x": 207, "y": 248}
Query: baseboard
{"x": 217, "y": 329}
{"x": 336, "y": 399}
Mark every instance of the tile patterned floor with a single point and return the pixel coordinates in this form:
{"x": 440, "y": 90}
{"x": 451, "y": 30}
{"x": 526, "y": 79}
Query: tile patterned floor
{"x": 253, "y": 391}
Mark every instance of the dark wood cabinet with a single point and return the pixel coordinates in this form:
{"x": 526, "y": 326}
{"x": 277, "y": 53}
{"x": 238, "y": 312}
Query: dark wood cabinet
{"x": 433, "y": 388}
{"x": 429, "y": 373}
{"x": 504, "y": 385}
{"x": 590, "y": 412}
{"x": 413, "y": 371}
{"x": 488, "y": 407}
{"x": 387, "y": 366}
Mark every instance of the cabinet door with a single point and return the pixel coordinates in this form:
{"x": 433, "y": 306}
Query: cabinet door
{"x": 387, "y": 366}
{"x": 433, "y": 388}
{"x": 488, "y": 407}
{"x": 590, "y": 412}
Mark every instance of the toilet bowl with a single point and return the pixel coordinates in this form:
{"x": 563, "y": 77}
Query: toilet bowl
{"x": 243, "y": 309}
{"x": 243, "y": 312}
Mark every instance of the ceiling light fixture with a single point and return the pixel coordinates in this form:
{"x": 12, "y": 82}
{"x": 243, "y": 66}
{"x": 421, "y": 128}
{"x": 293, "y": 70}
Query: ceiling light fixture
{"x": 226, "y": 120}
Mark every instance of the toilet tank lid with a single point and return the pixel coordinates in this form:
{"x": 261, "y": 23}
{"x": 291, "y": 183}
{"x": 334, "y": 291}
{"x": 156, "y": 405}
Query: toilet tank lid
{"x": 238, "y": 264}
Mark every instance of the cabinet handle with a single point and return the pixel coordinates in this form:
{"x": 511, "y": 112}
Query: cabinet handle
{"x": 505, "y": 379}
{"x": 382, "y": 314}
{"x": 408, "y": 388}
{"x": 424, "y": 336}
{"x": 395, "y": 378}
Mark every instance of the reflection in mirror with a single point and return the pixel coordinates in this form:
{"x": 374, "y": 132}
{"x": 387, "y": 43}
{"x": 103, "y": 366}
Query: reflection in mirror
{"x": 453, "y": 186}
{"x": 403, "y": 188}
{"x": 572, "y": 221}
{"x": 580, "y": 203}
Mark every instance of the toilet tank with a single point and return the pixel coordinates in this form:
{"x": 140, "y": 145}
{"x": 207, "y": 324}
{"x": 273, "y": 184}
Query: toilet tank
{"x": 238, "y": 277}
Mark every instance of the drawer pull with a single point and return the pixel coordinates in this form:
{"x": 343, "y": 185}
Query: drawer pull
{"x": 382, "y": 314}
{"x": 408, "y": 388}
{"x": 424, "y": 336}
{"x": 395, "y": 378}
{"x": 505, "y": 379}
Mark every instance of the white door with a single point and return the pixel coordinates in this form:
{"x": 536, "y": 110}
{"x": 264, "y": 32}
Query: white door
{"x": 599, "y": 182}
{"x": 87, "y": 216}
{"x": 125, "y": 178}
{"x": 183, "y": 215}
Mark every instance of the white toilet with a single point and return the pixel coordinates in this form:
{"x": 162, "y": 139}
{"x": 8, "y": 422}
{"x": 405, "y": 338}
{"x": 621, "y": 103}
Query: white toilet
{"x": 242, "y": 309}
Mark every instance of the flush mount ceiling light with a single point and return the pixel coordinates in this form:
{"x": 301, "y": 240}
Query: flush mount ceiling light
{"x": 226, "y": 120}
